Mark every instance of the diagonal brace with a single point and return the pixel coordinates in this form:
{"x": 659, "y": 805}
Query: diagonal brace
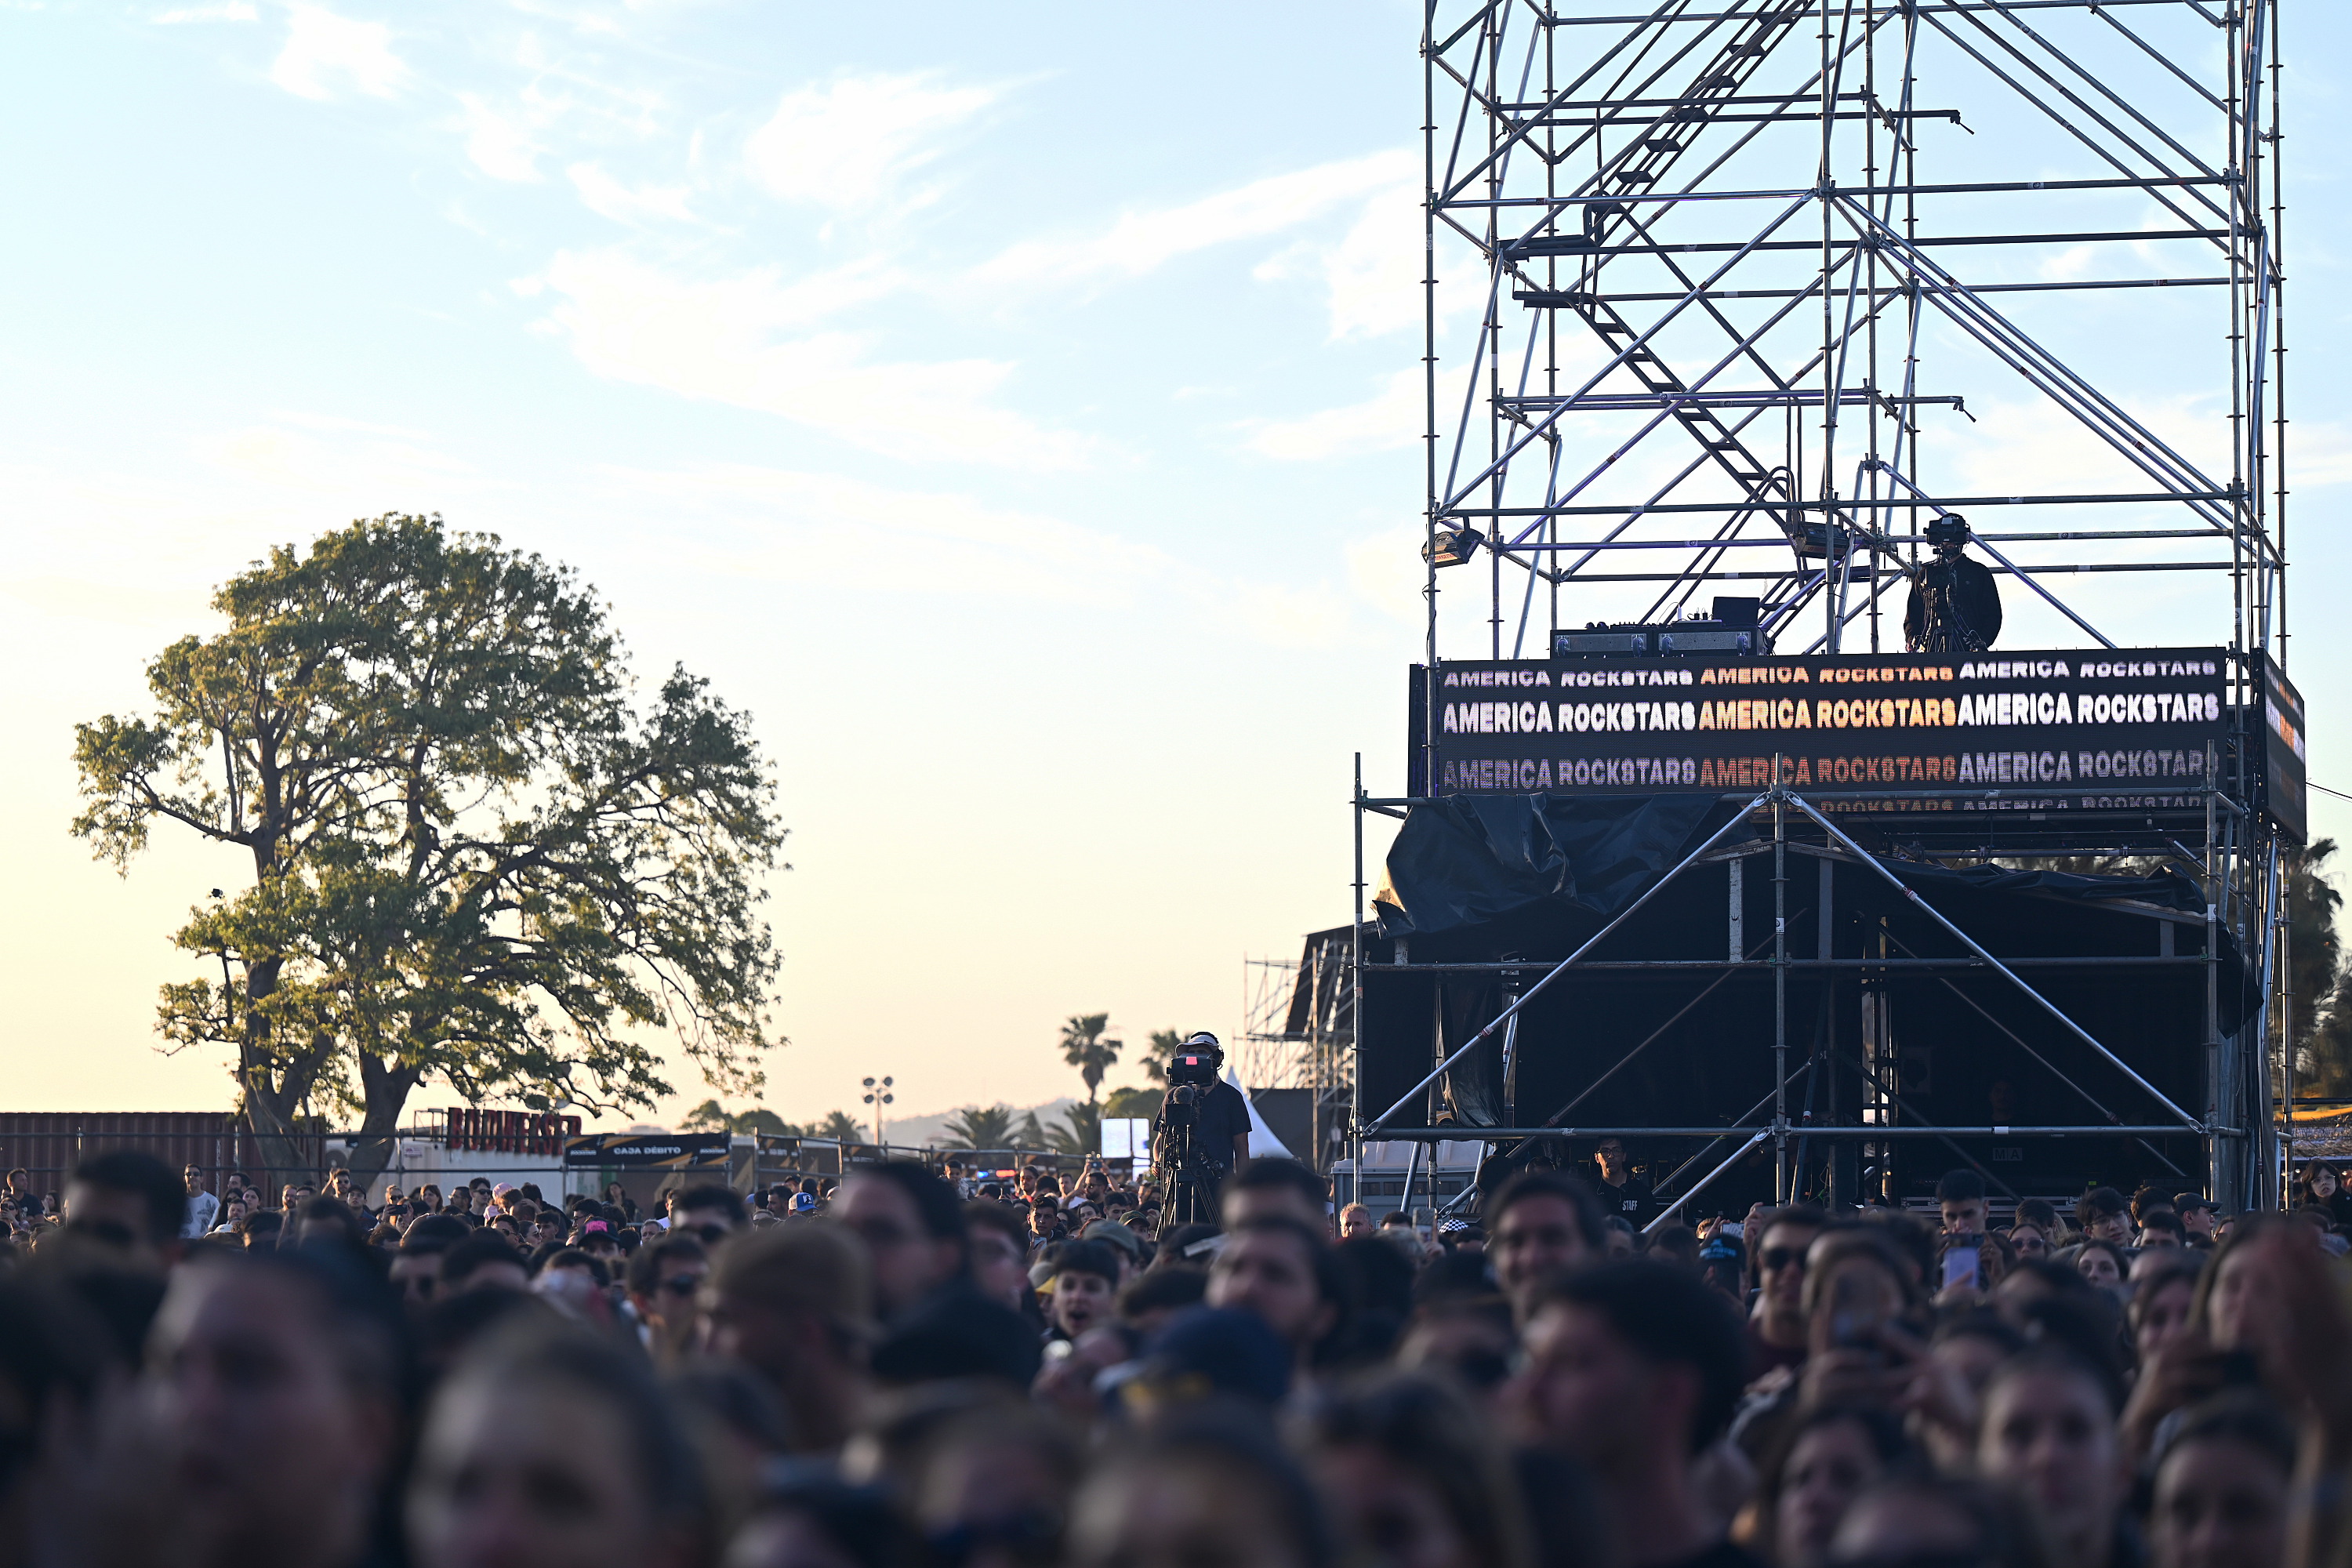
{"x": 2055, "y": 603}
{"x": 1970, "y": 943}
{"x": 1701, "y": 1184}
{"x": 1560, "y": 968}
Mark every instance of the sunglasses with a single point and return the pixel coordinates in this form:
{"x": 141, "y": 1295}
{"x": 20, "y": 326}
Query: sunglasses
{"x": 1778, "y": 1257}
{"x": 682, "y": 1283}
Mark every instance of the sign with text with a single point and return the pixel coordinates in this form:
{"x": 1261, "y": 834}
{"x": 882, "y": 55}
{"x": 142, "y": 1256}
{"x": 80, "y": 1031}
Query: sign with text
{"x": 2038, "y": 731}
{"x": 665, "y": 1151}
{"x": 2283, "y": 790}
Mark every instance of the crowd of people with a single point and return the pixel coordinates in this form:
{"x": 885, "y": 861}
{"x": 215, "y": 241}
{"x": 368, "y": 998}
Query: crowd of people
{"x": 895, "y": 1369}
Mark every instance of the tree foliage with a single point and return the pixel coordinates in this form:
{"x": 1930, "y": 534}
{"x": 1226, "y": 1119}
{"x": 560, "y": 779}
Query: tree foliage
{"x": 1079, "y": 1132}
{"x": 841, "y": 1127}
{"x": 2322, "y": 988}
{"x": 475, "y": 857}
{"x": 1165, "y": 1043}
{"x": 1132, "y": 1102}
{"x": 974, "y": 1127}
{"x": 1029, "y": 1134}
{"x": 712, "y": 1117}
{"x": 1083, "y": 1047}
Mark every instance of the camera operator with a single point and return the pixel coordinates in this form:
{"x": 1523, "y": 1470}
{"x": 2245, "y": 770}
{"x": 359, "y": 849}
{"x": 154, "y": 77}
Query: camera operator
{"x": 1955, "y": 606}
{"x": 1218, "y": 1118}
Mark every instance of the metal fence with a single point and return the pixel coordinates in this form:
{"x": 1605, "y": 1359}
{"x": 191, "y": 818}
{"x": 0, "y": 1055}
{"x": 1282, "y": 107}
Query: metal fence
{"x": 46, "y": 1145}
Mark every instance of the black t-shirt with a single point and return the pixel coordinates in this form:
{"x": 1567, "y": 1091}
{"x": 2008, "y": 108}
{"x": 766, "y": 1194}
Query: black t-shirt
{"x": 1632, "y": 1202}
{"x": 1220, "y": 1114}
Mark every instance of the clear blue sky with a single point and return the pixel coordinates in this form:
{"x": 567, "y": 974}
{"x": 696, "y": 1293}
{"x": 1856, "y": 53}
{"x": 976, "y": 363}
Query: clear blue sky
{"x": 1011, "y": 406}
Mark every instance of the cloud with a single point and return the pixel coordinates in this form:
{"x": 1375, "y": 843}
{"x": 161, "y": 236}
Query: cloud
{"x": 227, "y": 11}
{"x": 1372, "y": 275}
{"x": 2028, "y": 446}
{"x": 853, "y": 143}
{"x": 1392, "y": 417}
{"x": 855, "y": 535}
{"x": 607, "y": 197}
{"x": 753, "y": 339}
{"x": 1141, "y": 242}
{"x": 372, "y": 467}
{"x": 1386, "y": 573}
{"x": 2068, "y": 265}
{"x": 338, "y": 423}
{"x": 2319, "y": 454}
{"x": 321, "y": 44}
{"x": 501, "y": 145}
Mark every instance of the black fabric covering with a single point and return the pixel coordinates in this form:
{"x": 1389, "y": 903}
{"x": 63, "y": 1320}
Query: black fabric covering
{"x": 1471, "y": 860}
{"x": 1474, "y": 858}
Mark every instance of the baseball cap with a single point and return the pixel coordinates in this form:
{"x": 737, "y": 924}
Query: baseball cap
{"x": 502, "y": 1189}
{"x": 1208, "y": 1351}
{"x": 804, "y": 1203}
{"x": 1117, "y": 1235}
{"x": 2184, "y": 1203}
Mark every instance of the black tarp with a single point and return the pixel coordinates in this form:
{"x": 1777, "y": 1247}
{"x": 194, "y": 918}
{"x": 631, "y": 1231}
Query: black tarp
{"x": 1469, "y": 860}
{"x": 1474, "y": 858}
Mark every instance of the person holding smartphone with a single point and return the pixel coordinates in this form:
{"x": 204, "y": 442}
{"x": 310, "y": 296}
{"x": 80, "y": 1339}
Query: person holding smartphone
{"x": 1960, "y": 1197}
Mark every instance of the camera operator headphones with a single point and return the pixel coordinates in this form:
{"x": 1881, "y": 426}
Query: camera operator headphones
{"x": 1950, "y": 529}
{"x": 1203, "y": 1041}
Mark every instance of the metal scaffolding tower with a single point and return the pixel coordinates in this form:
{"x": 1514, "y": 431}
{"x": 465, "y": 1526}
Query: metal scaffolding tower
{"x": 1269, "y": 1057}
{"x": 1769, "y": 284}
{"x": 1743, "y": 294}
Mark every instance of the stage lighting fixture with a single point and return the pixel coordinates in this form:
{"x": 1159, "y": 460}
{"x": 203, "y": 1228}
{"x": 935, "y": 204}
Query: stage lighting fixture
{"x": 1452, "y": 546}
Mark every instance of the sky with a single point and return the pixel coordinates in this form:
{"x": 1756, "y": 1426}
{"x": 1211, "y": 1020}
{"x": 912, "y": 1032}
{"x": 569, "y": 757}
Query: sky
{"x": 1014, "y": 408}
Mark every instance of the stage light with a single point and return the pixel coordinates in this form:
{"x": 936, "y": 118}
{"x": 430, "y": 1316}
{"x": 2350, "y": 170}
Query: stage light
{"x": 1452, "y": 546}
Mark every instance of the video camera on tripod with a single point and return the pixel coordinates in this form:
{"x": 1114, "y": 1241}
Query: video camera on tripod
{"x": 1190, "y": 1171}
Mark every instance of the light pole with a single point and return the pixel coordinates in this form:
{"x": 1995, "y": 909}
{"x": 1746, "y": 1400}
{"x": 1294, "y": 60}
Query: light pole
{"x": 877, "y": 1096}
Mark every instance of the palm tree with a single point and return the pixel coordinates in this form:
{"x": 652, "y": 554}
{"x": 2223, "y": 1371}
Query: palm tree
{"x": 1083, "y": 1047}
{"x": 708, "y": 1117}
{"x": 1029, "y": 1135}
{"x": 1164, "y": 1044}
{"x": 2323, "y": 987}
{"x": 841, "y": 1127}
{"x": 1079, "y": 1132}
{"x": 1130, "y": 1102}
{"x": 973, "y": 1127}
{"x": 760, "y": 1119}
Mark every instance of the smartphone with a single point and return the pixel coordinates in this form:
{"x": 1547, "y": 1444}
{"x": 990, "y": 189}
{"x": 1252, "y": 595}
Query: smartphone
{"x": 1962, "y": 1267}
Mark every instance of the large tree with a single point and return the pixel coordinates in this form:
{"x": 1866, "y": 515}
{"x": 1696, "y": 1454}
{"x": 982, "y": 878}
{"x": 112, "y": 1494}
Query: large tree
{"x": 480, "y": 856}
